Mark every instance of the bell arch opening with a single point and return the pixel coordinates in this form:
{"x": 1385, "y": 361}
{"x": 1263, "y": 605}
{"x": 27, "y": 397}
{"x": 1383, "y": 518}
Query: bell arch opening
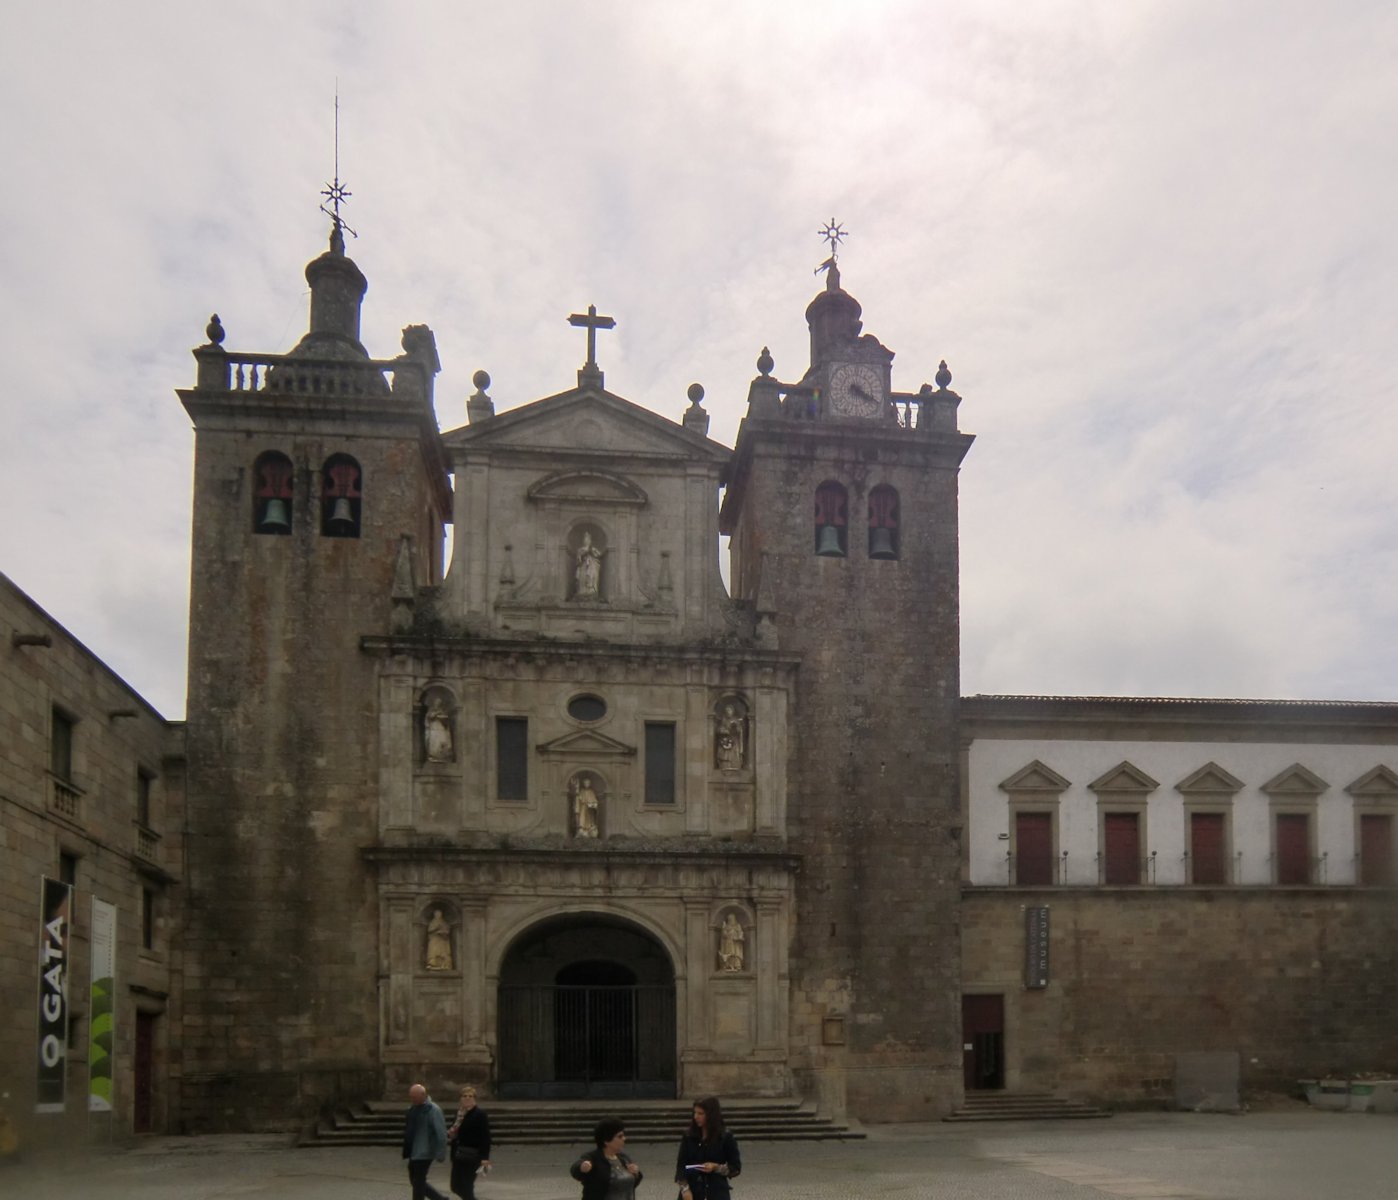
{"x": 586, "y": 1008}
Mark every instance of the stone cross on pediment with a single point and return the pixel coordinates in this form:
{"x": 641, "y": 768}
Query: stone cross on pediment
{"x": 591, "y": 372}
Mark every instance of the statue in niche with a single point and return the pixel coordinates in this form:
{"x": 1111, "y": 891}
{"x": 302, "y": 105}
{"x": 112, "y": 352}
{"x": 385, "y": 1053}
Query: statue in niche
{"x": 589, "y": 570}
{"x": 730, "y": 944}
{"x": 438, "y": 942}
{"x": 436, "y": 731}
{"x": 584, "y": 808}
{"x": 729, "y": 738}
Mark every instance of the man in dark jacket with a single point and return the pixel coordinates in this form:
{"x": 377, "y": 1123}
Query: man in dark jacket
{"x": 424, "y": 1141}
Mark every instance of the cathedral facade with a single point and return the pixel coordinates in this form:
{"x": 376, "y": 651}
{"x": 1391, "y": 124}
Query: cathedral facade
{"x": 544, "y": 817}
{"x": 563, "y": 815}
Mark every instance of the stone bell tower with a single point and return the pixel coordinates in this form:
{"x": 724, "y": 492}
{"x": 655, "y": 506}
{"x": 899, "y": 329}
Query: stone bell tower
{"x": 320, "y": 494}
{"x": 842, "y": 510}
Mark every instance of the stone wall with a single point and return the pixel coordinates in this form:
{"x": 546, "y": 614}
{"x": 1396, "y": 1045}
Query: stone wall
{"x": 91, "y": 818}
{"x": 873, "y": 810}
{"x": 1299, "y": 982}
{"x": 280, "y": 956}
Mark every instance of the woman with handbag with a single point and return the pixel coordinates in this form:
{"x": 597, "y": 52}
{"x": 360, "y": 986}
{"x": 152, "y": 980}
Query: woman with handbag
{"x": 469, "y": 1138}
{"x": 708, "y": 1156}
{"x": 607, "y": 1173}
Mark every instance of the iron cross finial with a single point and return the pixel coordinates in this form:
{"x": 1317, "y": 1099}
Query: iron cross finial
{"x": 335, "y": 191}
{"x": 833, "y": 233}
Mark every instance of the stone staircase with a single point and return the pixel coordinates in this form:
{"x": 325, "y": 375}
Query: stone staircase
{"x": 570, "y": 1122}
{"x": 1023, "y": 1106}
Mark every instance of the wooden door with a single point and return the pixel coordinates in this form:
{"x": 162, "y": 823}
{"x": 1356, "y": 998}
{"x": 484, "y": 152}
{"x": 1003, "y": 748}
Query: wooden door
{"x": 983, "y": 1041}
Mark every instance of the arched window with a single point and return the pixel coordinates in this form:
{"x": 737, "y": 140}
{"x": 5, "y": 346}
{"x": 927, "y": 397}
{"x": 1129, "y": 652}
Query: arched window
{"x": 341, "y": 495}
{"x": 883, "y": 522}
{"x": 831, "y": 520}
{"x": 272, "y": 493}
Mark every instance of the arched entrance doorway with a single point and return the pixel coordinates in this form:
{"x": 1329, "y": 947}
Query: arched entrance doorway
{"x": 586, "y": 1009}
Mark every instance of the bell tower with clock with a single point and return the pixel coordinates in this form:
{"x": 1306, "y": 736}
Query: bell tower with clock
{"x": 842, "y": 513}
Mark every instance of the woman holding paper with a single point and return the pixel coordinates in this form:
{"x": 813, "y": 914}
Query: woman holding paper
{"x": 708, "y": 1156}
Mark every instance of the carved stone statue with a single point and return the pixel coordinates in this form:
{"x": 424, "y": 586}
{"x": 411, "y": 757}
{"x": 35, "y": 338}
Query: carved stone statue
{"x": 584, "y": 808}
{"x": 589, "y": 570}
{"x": 438, "y": 942}
{"x": 436, "y": 731}
{"x": 728, "y": 739}
{"x": 730, "y": 944}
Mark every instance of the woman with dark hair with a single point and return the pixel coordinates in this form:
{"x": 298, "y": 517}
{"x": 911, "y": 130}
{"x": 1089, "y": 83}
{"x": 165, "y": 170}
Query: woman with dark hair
{"x": 607, "y": 1173}
{"x": 708, "y": 1155}
{"x": 469, "y": 1137}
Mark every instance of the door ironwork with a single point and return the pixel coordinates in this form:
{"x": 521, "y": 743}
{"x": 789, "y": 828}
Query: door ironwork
{"x": 587, "y": 1041}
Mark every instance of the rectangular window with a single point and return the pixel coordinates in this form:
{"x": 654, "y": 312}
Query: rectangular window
{"x": 512, "y": 758}
{"x": 1375, "y": 849}
{"x": 1121, "y": 846}
{"x": 144, "y": 779}
{"x": 68, "y": 869}
{"x": 660, "y": 762}
{"x": 147, "y": 919}
{"x": 1293, "y": 848}
{"x": 1208, "y": 848}
{"x": 61, "y": 745}
{"x": 1033, "y": 849}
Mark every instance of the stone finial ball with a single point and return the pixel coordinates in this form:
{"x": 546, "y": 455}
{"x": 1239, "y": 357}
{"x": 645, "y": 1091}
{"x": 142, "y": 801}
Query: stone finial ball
{"x": 214, "y": 330}
{"x": 765, "y": 362}
{"x": 943, "y": 376}
{"x": 696, "y": 392}
{"x": 481, "y": 379}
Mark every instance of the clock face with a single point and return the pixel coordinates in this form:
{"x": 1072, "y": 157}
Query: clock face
{"x": 856, "y": 390}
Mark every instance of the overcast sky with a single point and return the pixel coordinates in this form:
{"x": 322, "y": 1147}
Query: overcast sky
{"x": 1154, "y": 241}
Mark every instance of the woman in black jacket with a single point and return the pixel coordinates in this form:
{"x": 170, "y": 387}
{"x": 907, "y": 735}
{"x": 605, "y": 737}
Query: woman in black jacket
{"x": 607, "y": 1173}
{"x": 469, "y": 1138}
{"x": 708, "y": 1156}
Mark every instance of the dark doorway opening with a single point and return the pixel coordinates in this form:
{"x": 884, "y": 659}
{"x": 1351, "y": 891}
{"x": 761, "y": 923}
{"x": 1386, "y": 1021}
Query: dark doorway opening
{"x": 983, "y": 1042}
{"x": 143, "y": 1065}
{"x": 587, "y": 1010}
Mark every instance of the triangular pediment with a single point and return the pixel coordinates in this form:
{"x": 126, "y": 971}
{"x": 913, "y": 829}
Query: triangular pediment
{"x": 1378, "y": 784}
{"x": 1210, "y": 780}
{"x": 1036, "y": 777}
{"x": 1124, "y": 777}
{"x": 583, "y": 421}
{"x": 587, "y": 743}
{"x": 1296, "y": 780}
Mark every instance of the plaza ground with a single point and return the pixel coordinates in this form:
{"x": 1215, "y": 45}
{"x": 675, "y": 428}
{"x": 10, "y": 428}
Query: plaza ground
{"x": 1293, "y": 1155}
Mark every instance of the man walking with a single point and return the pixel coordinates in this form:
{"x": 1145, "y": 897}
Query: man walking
{"x": 424, "y": 1139}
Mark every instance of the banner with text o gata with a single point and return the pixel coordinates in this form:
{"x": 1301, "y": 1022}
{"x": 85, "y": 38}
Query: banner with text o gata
{"x": 55, "y": 916}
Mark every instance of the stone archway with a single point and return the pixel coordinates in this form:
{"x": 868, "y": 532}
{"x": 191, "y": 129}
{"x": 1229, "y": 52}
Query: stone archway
{"x": 586, "y": 1009}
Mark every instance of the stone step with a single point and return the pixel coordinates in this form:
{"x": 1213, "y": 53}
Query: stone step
{"x": 380, "y": 1122}
{"x": 1023, "y": 1106}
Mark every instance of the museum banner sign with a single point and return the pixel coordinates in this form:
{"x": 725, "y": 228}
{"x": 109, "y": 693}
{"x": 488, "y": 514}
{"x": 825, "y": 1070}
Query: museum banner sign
{"x": 1036, "y": 947}
{"x": 102, "y": 1021}
{"x": 55, "y": 926}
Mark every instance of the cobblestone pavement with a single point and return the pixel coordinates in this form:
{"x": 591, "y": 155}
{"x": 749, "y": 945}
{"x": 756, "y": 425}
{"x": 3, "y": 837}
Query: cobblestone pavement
{"x": 1300, "y": 1155}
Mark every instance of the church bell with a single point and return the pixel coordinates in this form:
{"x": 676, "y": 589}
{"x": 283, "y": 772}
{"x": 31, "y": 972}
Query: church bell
{"x": 828, "y": 543}
{"x": 341, "y": 516}
{"x": 881, "y": 543}
{"x": 274, "y": 517}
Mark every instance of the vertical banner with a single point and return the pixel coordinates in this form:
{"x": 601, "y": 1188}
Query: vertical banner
{"x": 1036, "y": 947}
{"x": 55, "y": 924}
{"x": 102, "y": 1021}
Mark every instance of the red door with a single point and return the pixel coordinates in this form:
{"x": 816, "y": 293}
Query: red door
{"x": 1121, "y": 839}
{"x": 144, "y": 1067}
{"x": 1375, "y": 849}
{"x": 983, "y": 1041}
{"x": 1293, "y": 848}
{"x": 1033, "y": 849}
{"x": 1206, "y": 853}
